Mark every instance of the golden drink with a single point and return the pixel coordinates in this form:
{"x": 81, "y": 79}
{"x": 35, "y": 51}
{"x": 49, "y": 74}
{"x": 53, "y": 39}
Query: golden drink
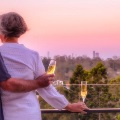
{"x": 83, "y": 90}
{"x": 51, "y": 69}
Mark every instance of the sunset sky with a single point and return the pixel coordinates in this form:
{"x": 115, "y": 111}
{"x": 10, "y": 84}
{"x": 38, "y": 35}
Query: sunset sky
{"x": 68, "y": 27}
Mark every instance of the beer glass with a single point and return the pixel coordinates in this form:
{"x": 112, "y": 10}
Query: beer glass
{"x": 83, "y": 90}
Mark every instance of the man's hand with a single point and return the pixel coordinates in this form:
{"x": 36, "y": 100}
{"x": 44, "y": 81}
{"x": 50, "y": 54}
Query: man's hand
{"x": 45, "y": 80}
{"x": 77, "y": 107}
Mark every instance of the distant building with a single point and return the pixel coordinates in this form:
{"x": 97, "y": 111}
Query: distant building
{"x": 95, "y": 54}
{"x": 58, "y": 82}
{"x": 48, "y": 55}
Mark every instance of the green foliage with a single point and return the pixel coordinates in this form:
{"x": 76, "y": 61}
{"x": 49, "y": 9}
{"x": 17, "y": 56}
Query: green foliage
{"x": 99, "y": 73}
{"x": 118, "y": 117}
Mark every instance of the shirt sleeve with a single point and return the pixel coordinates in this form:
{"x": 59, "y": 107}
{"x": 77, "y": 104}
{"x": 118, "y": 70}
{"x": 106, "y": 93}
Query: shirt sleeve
{"x": 4, "y": 75}
{"x": 53, "y": 97}
{"x": 50, "y": 94}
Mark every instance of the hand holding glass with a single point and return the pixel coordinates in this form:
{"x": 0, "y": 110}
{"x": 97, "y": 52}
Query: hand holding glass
{"x": 83, "y": 90}
{"x": 51, "y": 68}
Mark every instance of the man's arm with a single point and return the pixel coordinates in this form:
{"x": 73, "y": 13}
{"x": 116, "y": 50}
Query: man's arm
{"x": 59, "y": 101}
{"x": 20, "y": 85}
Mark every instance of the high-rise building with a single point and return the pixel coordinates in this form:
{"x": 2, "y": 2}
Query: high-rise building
{"x": 95, "y": 54}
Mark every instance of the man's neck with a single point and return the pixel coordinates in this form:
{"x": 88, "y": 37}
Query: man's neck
{"x": 11, "y": 40}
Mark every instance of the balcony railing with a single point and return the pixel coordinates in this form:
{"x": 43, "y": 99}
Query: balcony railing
{"x": 102, "y": 110}
{"x": 97, "y": 110}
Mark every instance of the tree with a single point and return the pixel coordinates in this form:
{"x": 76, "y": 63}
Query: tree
{"x": 98, "y": 96}
{"x": 46, "y": 62}
{"x": 99, "y": 74}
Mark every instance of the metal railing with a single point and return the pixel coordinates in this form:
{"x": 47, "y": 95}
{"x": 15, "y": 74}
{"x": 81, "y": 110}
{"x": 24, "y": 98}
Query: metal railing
{"x": 99, "y": 110}
{"x": 96, "y": 110}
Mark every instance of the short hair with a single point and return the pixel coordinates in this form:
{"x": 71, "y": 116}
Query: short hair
{"x": 12, "y": 25}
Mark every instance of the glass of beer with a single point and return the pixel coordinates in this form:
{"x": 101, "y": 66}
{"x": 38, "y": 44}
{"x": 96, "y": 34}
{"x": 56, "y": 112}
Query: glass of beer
{"x": 83, "y": 90}
{"x": 51, "y": 67}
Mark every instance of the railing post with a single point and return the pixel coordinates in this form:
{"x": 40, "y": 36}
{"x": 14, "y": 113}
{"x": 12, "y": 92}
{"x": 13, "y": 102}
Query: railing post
{"x": 99, "y": 116}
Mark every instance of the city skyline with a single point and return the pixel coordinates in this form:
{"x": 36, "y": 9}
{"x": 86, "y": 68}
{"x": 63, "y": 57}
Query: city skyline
{"x": 66, "y": 27}
{"x": 94, "y": 54}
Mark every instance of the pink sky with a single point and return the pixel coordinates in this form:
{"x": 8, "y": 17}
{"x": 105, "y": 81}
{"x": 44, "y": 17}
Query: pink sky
{"x": 69, "y": 26}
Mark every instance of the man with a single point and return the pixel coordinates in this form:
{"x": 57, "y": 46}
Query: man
{"x": 21, "y": 62}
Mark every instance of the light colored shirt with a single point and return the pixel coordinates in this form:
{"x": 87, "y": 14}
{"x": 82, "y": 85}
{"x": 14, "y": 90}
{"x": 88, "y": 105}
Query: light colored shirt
{"x": 22, "y": 62}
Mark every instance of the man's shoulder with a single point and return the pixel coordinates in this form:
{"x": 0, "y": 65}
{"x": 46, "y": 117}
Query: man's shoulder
{"x": 33, "y": 52}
